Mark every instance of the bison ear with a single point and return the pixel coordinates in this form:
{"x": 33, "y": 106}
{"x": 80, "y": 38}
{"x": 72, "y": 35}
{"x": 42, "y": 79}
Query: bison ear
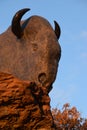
{"x": 57, "y": 29}
{"x": 15, "y": 26}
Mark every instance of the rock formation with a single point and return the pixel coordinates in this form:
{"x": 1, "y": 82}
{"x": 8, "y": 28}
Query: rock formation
{"x": 23, "y": 105}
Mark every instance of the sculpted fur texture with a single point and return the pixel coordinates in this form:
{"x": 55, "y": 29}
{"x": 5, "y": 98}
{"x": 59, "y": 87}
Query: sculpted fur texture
{"x": 30, "y": 50}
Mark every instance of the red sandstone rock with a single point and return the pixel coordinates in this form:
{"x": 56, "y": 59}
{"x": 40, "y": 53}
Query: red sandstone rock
{"x": 23, "y": 105}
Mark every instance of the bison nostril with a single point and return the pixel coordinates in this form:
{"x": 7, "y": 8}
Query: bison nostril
{"x": 42, "y": 78}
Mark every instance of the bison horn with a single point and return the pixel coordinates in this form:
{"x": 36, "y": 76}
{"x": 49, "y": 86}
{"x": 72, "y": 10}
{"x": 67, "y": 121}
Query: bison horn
{"x": 57, "y": 29}
{"x": 16, "y": 27}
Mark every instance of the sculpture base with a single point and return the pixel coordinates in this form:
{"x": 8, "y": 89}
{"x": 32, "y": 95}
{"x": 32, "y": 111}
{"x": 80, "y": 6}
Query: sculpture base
{"x": 23, "y": 105}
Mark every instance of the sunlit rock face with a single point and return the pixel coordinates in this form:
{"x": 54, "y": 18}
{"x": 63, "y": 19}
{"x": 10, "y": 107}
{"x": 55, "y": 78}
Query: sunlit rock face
{"x": 23, "y": 105}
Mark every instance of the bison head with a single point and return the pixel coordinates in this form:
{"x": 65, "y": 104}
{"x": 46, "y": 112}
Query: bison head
{"x": 30, "y": 50}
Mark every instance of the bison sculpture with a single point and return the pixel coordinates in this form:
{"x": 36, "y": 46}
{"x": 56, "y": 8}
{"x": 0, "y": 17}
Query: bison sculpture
{"x": 30, "y": 50}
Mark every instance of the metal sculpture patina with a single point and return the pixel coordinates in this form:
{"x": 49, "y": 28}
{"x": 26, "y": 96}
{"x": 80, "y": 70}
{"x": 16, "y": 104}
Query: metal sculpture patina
{"x": 30, "y": 50}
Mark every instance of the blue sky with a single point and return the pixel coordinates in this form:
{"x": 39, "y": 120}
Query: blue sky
{"x": 71, "y": 82}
